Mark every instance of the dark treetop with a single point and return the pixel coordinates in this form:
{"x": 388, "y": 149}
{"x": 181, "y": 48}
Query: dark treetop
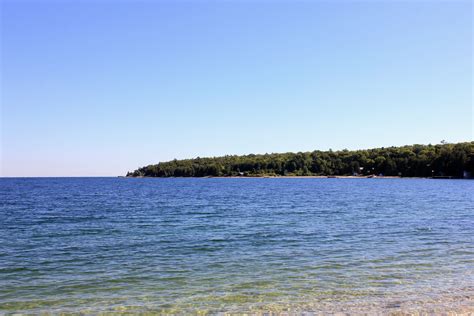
{"x": 447, "y": 160}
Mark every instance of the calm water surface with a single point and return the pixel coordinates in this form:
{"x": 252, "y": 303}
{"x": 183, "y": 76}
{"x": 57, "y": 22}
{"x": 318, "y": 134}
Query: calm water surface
{"x": 184, "y": 246}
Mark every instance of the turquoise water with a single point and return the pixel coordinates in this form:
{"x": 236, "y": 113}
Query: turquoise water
{"x": 183, "y": 246}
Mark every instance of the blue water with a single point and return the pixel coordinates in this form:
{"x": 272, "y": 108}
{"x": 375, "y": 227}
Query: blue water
{"x": 184, "y": 246}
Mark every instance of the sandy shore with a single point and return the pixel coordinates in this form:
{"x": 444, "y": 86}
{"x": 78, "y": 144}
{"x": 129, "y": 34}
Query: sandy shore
{"x": 312, "y": 177}
{"x": 291, "y": 177}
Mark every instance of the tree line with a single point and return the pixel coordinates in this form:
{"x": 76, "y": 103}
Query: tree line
{"x": 447, "y": 160}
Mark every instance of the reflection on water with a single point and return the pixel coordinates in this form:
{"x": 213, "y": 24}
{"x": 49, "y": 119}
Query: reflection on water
{"x": 236, "y": 245}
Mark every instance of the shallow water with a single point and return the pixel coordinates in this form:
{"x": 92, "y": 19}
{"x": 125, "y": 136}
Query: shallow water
{"x": 236, "y": 245}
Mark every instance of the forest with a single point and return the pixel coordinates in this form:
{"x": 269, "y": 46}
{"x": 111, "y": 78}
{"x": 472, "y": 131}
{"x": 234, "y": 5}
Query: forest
{"x": 441, "y": 160}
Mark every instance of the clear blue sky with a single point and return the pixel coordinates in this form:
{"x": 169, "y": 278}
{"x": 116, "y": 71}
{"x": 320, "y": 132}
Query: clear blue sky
{"x": 94, "y": 88}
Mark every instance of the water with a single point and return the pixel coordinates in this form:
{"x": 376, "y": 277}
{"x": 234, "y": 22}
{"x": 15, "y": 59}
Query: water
{"x": 181, "y": 246}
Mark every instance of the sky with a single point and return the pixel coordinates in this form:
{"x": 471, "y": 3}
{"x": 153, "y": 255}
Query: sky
{"x": 98, "y": 88}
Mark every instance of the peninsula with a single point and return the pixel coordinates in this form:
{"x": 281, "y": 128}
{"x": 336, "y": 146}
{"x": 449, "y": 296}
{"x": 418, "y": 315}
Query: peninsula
{"x": 443, "y": 160}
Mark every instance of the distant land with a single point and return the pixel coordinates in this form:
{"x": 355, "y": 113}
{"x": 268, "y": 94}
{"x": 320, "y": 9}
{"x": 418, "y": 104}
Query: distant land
{"x": 445, "y": 160}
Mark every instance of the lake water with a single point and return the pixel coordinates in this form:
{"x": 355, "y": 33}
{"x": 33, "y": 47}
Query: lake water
{"x": 185, "y": 246}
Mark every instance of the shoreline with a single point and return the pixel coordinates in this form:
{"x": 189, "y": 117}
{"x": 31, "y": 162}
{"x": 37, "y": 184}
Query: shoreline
{"x": 294, "y": 177}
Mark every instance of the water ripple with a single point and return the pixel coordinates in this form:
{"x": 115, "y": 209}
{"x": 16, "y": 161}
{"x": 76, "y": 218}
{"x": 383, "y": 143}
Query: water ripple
{"x": 218, "y": 246}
